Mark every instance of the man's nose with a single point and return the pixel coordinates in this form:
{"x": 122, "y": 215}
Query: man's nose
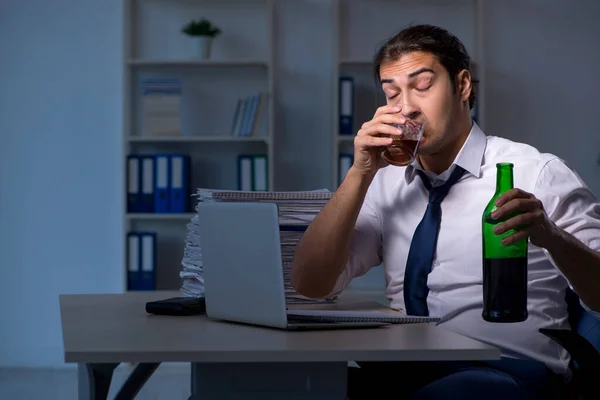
{"x": 410, "y": 112}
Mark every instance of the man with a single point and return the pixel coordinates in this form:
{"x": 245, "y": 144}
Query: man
{"x": 373, "y": 215}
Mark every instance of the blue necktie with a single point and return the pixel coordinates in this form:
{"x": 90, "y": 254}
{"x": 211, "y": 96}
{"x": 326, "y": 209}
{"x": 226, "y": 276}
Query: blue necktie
{"x": 422, "y": 247}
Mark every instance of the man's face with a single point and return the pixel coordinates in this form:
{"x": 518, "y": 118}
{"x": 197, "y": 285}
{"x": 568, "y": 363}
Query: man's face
{"x": 419, "y": 82}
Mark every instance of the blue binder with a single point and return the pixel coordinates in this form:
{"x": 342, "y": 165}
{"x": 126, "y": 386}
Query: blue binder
{"x": 134, "y": 184}
{"x": 133, "y": 261}
{"x": 141, "y": 261}
{"x": 147, "y": 261}
{"x": 245, "y": 172}
{"x": 147, "y": 183}
{"x": 162, "y": 177}
{"x": 346, "y": 105}
{"x": 179, "y": 201}
{"x": 345, "y": 163}
{"x": 260, "y": 173}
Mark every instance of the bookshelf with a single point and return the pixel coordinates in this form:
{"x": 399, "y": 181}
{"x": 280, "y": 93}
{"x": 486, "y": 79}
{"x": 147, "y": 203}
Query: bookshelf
{"x": 196, "y": 139}
{"x": 240, "y": 66}
{"x": 360, "y": 26}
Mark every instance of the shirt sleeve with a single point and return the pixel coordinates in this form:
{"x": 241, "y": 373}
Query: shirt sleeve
{"x": 365, "y": 247}
{"x": 570, "y": 204}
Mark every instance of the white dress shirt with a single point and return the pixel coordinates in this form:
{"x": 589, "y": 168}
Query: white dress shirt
{"x": 396, "y": 202}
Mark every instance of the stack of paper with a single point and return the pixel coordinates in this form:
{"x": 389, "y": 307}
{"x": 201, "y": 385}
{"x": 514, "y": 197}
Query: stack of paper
{"x": 289, "y": 236}
{"x": 191, "y": 264}
{"x": 296, "y": 211}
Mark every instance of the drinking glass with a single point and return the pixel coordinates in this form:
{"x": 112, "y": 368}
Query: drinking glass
{"x": 403, "y": 150}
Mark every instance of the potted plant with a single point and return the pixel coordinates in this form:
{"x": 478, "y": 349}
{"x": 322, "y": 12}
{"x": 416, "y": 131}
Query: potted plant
{"x": 201, "y": 33}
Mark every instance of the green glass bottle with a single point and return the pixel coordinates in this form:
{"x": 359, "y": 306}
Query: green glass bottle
{"x": 504, "y": 266}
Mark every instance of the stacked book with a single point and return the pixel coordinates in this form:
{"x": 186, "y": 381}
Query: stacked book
{"x": 251, "y": 116}
{"x": 161, "y": 106}
{"x": 296, "y": 211}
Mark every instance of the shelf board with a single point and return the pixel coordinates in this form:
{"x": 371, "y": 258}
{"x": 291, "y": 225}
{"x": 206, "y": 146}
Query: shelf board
{"x": 346, "y": 138}
{"x": 197, "y": 63}
{"x": 195, "y": 139}
{"x": 157, "y": 216}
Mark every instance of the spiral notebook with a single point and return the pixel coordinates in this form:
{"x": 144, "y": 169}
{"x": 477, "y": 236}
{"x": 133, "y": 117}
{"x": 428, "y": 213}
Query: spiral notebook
{"x": 358, "y": 316}
{"x": 240, "y": 195}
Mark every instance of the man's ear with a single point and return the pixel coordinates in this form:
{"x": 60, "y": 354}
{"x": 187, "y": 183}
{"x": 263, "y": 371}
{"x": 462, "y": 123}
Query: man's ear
{"x": 464, "y": 84}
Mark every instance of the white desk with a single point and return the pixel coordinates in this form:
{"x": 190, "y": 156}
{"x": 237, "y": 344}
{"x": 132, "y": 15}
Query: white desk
{"x": 233, "y": 360}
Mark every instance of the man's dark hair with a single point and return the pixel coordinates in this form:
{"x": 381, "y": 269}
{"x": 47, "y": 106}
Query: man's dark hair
{"x": 448, "y": 49}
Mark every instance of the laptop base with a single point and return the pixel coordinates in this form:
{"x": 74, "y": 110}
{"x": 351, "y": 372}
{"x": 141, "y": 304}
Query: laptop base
{"x": 306, "y": 325}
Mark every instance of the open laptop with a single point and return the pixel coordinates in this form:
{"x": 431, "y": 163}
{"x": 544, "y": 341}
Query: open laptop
{"x": 243, "y": 272}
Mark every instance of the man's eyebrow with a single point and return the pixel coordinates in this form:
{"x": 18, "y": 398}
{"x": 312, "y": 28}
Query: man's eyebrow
{"x": 420, "y": 71}
{"x": 411, "y": 75}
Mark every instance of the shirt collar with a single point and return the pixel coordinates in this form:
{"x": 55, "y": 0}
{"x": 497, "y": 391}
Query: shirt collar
{"x": 469, "y": 157}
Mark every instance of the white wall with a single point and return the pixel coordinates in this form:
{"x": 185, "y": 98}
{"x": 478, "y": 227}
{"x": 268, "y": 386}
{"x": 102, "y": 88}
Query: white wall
{"x": 60, "y": 166}
{"x": 304, "y": 93}
{"x": 543, "y": 86}
{"x": 60, "y": 127}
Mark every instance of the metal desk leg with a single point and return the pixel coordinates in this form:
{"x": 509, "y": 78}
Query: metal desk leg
{"x": 254, "y": 381}
{"x": 136, "y": 380}
{"x": 94, "y": 380}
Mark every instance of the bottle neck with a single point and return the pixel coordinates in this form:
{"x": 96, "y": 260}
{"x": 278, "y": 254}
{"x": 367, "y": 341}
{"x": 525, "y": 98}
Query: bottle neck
{"x": 504, "y": 178}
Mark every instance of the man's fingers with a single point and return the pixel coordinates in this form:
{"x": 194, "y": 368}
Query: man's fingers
{"x": 379, "y": 129}
{"x": 512, "y": 194}
{"x": 519, "y": 204}
{"x": 372, "y": 141}
{"x": 387, "y": 109}
{"x": 519, "y": 222}
{"x": 515, "y": 237}
{"x": 385, "y": 119}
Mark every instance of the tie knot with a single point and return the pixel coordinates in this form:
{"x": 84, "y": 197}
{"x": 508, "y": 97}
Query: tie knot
{"x": 438, "y": 193}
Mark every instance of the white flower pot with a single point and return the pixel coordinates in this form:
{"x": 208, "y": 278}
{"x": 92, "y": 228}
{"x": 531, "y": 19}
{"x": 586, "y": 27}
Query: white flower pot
{"x": 201, "y": 47}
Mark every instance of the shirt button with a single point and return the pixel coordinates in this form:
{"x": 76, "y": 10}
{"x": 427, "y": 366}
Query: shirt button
{"x": 434, "y": 293}
{"x": 436, "y": 263}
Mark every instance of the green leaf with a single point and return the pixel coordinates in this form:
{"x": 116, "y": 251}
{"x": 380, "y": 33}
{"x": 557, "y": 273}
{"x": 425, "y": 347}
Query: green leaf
{"x": 200, "y": 27}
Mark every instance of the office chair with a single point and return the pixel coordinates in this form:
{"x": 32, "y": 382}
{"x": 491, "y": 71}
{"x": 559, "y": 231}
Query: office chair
{"x": 583, "y": 344}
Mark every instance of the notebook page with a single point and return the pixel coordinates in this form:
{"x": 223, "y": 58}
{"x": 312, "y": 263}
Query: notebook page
{"x": 358, "y": 316}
